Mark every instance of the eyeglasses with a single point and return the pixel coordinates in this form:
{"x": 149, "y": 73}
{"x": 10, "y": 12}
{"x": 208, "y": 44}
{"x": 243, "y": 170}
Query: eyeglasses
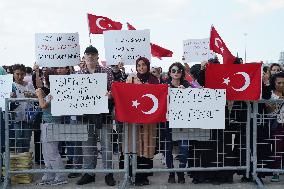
{"x": 176, "y": 71}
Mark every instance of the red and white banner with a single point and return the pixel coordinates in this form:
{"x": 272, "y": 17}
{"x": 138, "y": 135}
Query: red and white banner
{"x": 241, "y": 81}
{"x": 140, "y": 103}
{"x": 217, "y": 45}
{"x": 98, "y": 24}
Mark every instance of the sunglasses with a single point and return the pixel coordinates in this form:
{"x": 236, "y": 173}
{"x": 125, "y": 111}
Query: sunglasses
{"x": 176, "y": 71}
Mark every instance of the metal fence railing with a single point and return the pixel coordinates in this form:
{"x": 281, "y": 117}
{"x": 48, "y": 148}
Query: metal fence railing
{"x": 86, "y": 145}
{"x": 268, "y": 140}
{"x": 224, "y": 152}
{"x": 250, "y": 145}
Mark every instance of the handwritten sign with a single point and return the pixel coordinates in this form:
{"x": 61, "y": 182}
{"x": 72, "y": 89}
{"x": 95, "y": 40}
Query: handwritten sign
{"x": 57, "y": 49}
{"x": 197, "y": 108}
{"x": 5, "y": 88}
{"x": 126, "y": 46}
{"x": 79, "y": 94}
{"x": 197, "y": 50}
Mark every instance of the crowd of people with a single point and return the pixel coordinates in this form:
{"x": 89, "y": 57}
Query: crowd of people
{"x": 34, "y": 83}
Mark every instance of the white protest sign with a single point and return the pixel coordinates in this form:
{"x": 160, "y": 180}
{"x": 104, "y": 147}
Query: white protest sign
{"x": 5, "y": 88}
{"x": 197, "y": 108}
{"x": 126, "y": 46}
{"x": 197, "y": 50}
{"x": 79, "y": 94}
{"x": 57, "y": 49}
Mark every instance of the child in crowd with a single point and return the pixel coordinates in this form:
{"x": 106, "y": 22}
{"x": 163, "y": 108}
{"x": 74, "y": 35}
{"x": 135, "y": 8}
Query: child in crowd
{"x": 50, "y": 150}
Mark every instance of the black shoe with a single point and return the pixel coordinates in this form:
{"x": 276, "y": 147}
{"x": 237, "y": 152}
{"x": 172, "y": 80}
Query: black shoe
{"x": 181, "y": 178}
{"x": 171, "y": 178}
{"x": 74, "y": 175}
{"x": 69, "y": 164}
{"x": 110, "y": 180}
{"x": 146, "y": 181}
{"x": 85, "y": 179}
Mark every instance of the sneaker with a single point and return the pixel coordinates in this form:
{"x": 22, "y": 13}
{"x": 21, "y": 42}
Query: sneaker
{"x": 74, "y": 175}
{"x": 275, "y": 178}
{"x": 58, "y": 182}
{"x": 44, "y": 182}
{"x": 85, "y": 179}
{"x": 110, "y": 180}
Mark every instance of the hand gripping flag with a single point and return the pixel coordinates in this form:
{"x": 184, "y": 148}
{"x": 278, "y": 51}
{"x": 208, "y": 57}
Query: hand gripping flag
{"x": 241, "y": 81}
{"x": 98, "y": 24}
{"x": 140, "y": 103}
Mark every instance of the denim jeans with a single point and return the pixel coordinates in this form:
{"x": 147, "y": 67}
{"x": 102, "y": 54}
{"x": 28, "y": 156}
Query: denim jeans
{"x": 166, "y": 136}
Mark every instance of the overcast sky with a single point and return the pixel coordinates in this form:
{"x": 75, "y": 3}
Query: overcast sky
{"x": 170, "y": 22}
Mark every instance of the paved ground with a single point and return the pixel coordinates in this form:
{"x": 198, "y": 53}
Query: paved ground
{"x": 159, "y": 181}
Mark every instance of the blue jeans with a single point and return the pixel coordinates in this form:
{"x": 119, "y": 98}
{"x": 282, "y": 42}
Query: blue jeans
{"x": 90, "y": 150}
{"x": 74, "y": 152}
{"x": 166, "y": 136}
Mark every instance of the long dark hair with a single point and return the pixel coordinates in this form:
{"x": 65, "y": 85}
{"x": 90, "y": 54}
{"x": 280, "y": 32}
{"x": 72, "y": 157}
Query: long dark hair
{"x": 273, "y": 79}
{"x": 180, "y": 67}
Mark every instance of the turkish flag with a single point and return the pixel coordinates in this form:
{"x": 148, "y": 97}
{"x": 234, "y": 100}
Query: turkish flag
{"x": 241, "y": 81}
{"x": 98, "y": 24}
{"x": 156, "y": 50}
{"x": 217, "y": 45}
{"x": 140, "y": 103}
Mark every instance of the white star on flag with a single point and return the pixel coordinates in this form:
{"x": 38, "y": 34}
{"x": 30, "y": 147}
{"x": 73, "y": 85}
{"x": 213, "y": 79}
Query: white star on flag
{"x": 226, "y": 81}
{"x": 222, "y": 49}
{"x": 135, "y": 103}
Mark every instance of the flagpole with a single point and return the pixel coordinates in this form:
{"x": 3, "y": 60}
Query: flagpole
{"x": 209, "y": 42}
{"x": 90, "y": 41}
{"x": 245, "y": 34}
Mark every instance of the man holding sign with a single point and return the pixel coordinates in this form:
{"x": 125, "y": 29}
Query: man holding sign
{"x": 96, "y": 122}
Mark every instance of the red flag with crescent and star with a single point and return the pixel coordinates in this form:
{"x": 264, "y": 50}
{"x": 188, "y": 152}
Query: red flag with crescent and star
{"x": 241, "y": 81}
{"x": 140, "y": 103}
{"x": 217, "y": 45}
{"x": 98, "y": 24}
{"x": 156, "y": 50}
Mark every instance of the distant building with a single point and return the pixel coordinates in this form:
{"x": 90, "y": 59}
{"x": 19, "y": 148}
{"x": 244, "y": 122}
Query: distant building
{"x": 281, "y": 58}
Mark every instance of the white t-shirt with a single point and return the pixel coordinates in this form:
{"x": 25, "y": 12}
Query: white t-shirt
{"x": 23, "y": 106}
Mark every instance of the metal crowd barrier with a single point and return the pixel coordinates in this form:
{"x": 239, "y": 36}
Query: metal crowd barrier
{"x": 229, "y": 150}
{"x": 69, "y": 130}
{"x": 268, "y": 139}
{"x": 210, "y": 150}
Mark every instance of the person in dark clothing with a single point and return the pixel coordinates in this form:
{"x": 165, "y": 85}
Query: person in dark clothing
{"x": 176, "y": 79}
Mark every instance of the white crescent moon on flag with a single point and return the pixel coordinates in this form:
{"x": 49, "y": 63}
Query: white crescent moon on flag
{"x": 216, "y": 43}
{"x": 247, "y": 81}
{"x": 98, "y": 23}
{"x": 155, "y": 106}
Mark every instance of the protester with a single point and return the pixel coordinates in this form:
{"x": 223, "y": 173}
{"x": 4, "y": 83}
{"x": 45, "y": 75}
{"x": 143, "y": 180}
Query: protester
{"x": 146, "y": 132}
{"x": 176, "y": 79}
{"x": 50, "y": 151}
{"x": 97, "y": 122}
{"x": 21, "y": 89}
{"x": 277, "y": 87}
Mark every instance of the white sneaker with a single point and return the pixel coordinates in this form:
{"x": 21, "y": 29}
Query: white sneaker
{"x": 58, "y": 182}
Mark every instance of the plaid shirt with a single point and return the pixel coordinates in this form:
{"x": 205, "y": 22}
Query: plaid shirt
{"x": 100, "y": 69}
